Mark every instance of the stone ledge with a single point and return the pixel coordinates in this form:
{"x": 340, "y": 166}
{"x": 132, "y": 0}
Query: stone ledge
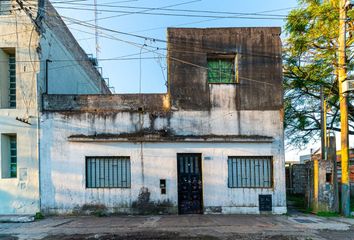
{"x": 16, "y": 218}
{"x": 156, "y": 137}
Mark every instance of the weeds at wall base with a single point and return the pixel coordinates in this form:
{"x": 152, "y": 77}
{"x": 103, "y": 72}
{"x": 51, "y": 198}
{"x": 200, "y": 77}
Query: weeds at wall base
{"x": 328, "y": 214}
{"x": 38, "y": 216}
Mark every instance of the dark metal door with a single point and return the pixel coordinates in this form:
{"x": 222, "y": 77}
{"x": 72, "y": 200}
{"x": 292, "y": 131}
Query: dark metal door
{"x": 190, "y": 194}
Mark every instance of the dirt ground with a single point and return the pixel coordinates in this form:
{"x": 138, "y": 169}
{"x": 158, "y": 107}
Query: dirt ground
{"x": 195, "y": 227}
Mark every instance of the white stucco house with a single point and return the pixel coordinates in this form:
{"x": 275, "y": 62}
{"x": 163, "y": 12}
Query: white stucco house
{"x": 212, "y": 144}
{"x": 38, "y": 54}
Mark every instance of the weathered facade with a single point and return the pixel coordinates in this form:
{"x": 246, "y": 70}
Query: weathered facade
{"x": 213, "y": 143}
{"x": 26, "y": 42}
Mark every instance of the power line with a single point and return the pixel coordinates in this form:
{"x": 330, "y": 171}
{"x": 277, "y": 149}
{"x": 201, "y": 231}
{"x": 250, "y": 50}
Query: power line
{"x": 180, "y": 15}
{"x": 181, "y": 10}
{"x": 171, "y": 42}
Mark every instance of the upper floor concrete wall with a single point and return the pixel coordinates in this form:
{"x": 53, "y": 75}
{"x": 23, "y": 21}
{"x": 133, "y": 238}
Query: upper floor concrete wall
{"x": 243, "y": 108}
{"x": 259, "y": 67}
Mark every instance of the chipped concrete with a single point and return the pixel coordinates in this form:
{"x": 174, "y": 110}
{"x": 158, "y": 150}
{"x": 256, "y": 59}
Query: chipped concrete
{"x": 16, "y": 218}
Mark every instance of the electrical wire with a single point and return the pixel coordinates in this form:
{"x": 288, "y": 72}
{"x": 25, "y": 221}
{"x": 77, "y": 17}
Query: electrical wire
{"x": 152, "y": 39}
{"x": 178, "y": 15}
{"x": 179, "y": 10}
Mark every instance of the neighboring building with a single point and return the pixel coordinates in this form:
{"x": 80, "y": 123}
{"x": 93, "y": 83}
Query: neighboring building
{"x": 305, "y": 158}
{"x": 24, "y": 49}
{"x": 351, "y": 169}
{"x": 302, "y": 178}
{"x": 296, "y": 178}
{"x": 213, "y": 143}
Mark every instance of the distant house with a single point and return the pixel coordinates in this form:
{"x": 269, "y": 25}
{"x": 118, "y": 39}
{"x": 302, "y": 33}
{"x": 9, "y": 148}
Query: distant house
{"x": 38, "y": 54}
{"x": 213, "y": 143}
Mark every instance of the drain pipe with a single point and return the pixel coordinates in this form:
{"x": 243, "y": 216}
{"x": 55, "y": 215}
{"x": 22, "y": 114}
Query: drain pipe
{"x": 47, "y": 61}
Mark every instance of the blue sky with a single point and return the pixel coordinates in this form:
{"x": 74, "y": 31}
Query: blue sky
{"x": 124, "y": 75}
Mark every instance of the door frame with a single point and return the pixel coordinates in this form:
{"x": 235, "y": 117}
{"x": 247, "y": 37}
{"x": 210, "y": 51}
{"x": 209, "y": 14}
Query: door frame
{"x": 201, "y": 179}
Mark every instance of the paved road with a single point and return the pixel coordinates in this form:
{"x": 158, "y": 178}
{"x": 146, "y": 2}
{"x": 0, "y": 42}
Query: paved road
{"x": 207, "y": 227}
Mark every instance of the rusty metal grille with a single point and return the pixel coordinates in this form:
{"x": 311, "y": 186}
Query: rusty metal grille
{"x": 250, "y": 172}
{"x": 108, "y": 172}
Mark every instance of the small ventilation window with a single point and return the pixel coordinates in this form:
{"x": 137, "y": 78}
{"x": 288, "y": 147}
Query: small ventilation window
{"x": 222, "y": 69}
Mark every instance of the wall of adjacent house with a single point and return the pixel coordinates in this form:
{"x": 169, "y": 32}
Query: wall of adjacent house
{"x": 70, "y": 70}
{"x": 19, "y": 195}
{"x": 64, "y": 74}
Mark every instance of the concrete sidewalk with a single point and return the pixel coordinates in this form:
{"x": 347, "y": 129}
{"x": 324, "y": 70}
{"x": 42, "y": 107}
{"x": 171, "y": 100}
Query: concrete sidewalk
{"x": 182, "y": 227}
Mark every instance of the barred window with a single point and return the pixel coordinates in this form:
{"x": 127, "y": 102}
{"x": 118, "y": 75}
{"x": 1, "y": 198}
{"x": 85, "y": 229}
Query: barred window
{"x": 8, "y": 155}
{"x": 250, "y": 172}
{"x": 8, "y": 77}
{"x": 107, "y": 172}
{"x": 12, "y": 81}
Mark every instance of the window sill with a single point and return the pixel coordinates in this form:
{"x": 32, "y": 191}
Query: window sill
{"x": 8, "y": 179}
{"x": 234, "y": 83}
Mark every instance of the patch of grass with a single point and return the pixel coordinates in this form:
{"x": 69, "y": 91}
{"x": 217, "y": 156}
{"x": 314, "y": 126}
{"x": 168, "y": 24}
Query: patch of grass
{"x": 308, "y": 210}
{"x": 352, "y": 204}
{"x": 328, "y": 214}
{"x": 298, "y": 201}
{"x": 98, "y": 210}
{"x": 38, "y": 216}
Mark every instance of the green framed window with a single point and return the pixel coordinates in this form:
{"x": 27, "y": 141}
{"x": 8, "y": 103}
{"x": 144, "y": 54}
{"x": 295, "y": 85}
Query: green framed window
{"x": 12, "y": 81}
{"x": 13, "y": 156}
{"x": 8, "y": 154}
{"x": 8, "y": 78}
{"x": 221, "y": 70}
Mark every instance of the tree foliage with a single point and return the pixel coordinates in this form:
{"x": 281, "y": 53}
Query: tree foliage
{"x": 311, "y": 61}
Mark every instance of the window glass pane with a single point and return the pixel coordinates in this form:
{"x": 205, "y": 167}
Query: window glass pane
{"x": 13, "y": 156}
{"x": 107, "y": 172}
{"x": 12, "y": 81}
{"x": 221, "y": 71}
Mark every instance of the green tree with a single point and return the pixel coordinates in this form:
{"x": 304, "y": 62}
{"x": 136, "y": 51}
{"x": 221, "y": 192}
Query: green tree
{"x": 310, "y": 61}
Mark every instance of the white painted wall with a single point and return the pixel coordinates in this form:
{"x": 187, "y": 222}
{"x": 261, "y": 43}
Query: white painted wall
{"x": 63, "y": 162}
{"x": 21, "y": 195}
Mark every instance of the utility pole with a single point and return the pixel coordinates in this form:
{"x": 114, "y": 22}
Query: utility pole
{"x": 342, "y": 74}
{"x": 323, "y": 126}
